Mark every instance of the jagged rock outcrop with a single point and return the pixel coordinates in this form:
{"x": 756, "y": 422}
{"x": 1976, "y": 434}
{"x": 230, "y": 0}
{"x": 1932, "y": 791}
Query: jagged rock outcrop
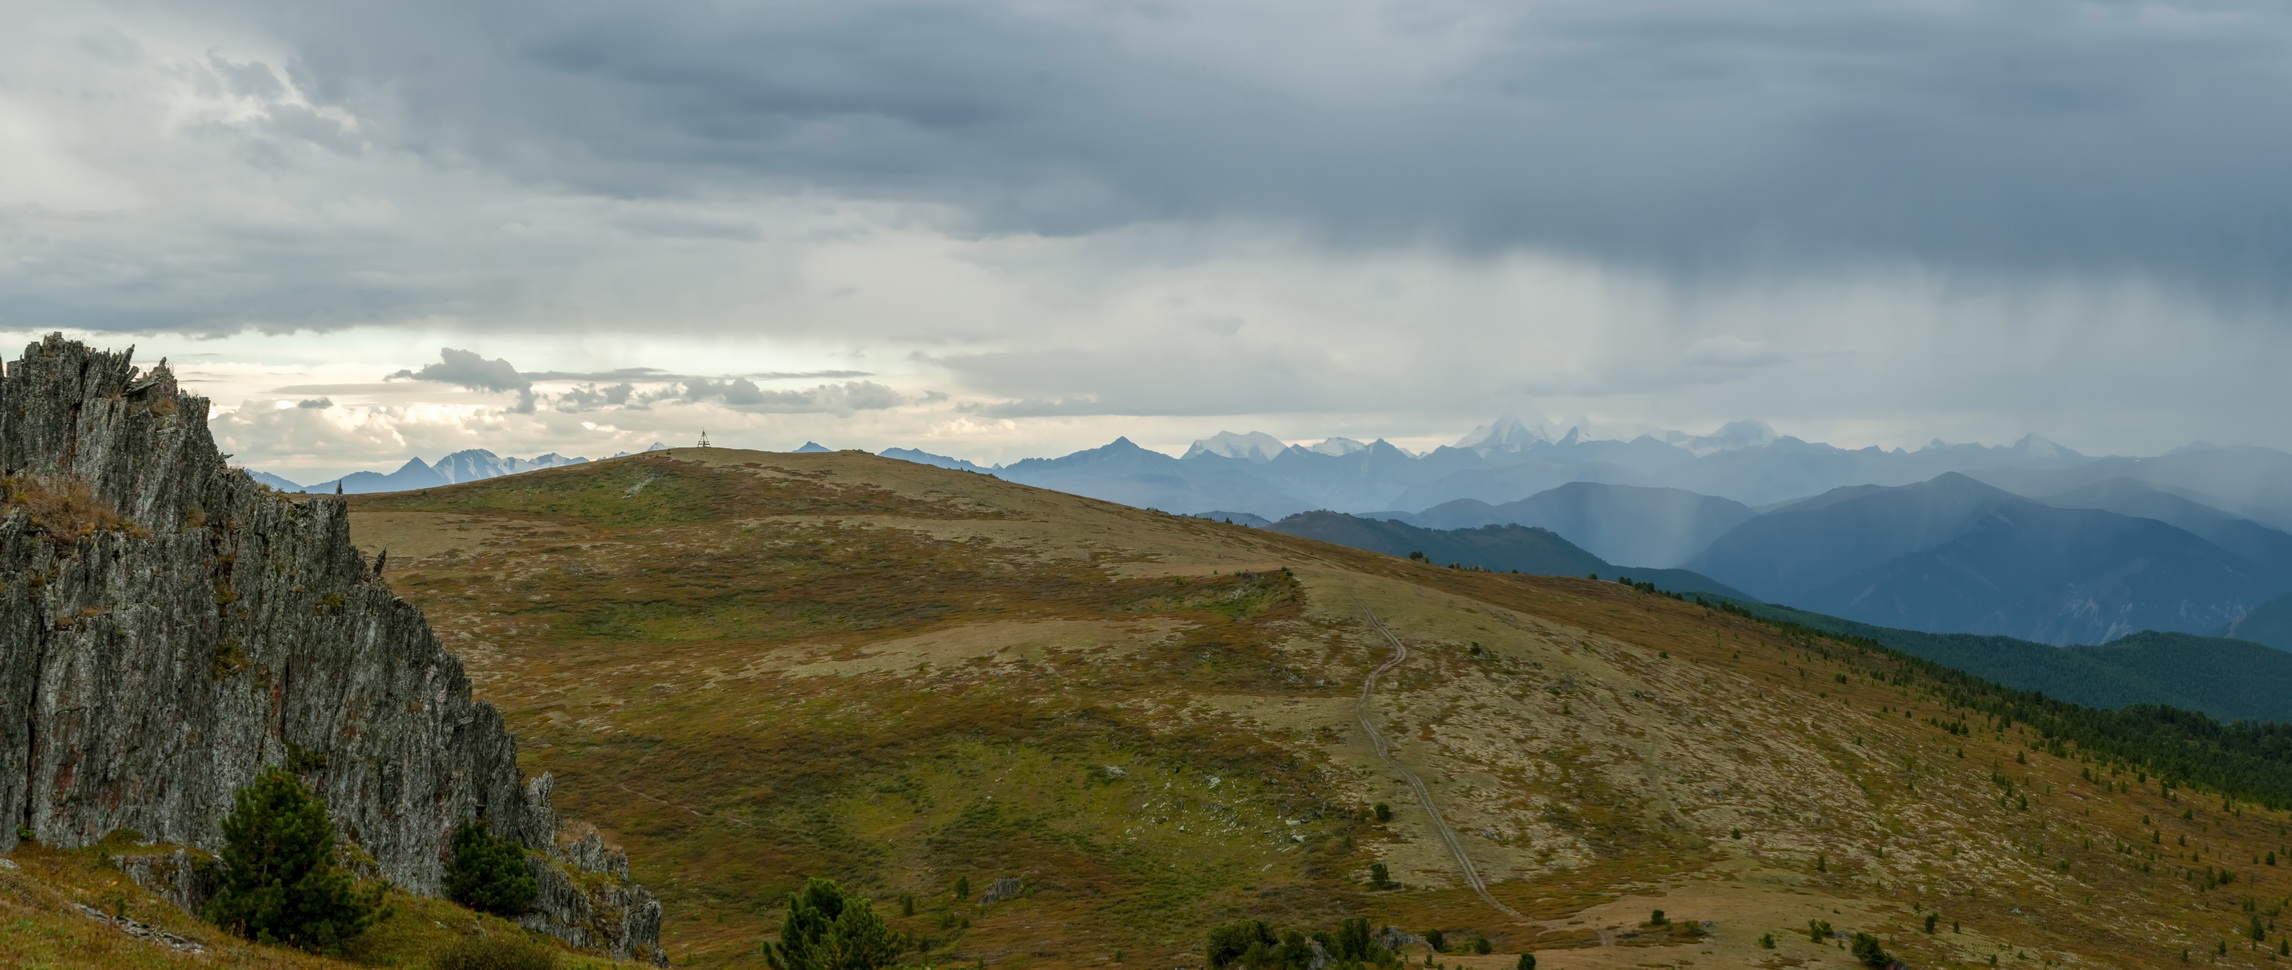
{"x": 169, "y": 628}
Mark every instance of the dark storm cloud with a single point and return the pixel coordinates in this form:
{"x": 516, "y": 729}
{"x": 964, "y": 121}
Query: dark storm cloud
{"x": 658, "y": 375}
{"x": 743, "y": 395}
{"x": 471, "y": 370}
{"x": 464, "y": 368}
{"x": 2047, "y": 136}
{"x": 591, "y": 397}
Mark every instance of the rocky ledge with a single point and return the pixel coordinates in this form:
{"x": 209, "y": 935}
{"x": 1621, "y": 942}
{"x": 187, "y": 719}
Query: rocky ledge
{"x": 169, "y": 628}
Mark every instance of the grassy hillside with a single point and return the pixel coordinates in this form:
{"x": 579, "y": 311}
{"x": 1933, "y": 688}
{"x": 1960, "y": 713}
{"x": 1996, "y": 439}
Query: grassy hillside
{"x": 71, "y": 909}
{"x": 754, "y": 667}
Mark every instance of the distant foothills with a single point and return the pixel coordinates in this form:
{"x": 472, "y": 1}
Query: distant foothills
{"x": 2029, "y": 540}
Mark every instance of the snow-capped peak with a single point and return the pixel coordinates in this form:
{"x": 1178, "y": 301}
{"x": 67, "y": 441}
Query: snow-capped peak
{"x": 1254, "y": 446}
{"x": 1508, "y": 433}
{"x": 1339, "y": 447}
{"x": 1732, "y": 436}
{"x": 2032, "y": 446}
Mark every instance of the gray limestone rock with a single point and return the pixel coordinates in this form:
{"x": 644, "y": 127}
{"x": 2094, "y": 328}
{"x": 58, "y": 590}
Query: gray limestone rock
{"x": 1002, "y": 889}
{"x": 186, "y": 877}
{"x": 169, "y": 628}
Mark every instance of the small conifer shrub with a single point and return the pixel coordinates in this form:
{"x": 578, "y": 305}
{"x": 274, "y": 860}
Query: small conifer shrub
{"x": 488, "y": 873}
{"x": 280, "y": 883}
{"x": 1866, "y": 949}
{"x": 829, "y": 929}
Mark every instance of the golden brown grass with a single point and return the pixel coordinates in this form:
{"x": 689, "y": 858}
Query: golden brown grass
{"x": 62, "y": 507}
{"x": 752, "y": 667}
{"x": 43, "y": 925}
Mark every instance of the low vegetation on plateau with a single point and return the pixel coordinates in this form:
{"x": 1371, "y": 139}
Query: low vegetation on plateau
{"x": 1032, "y": 729}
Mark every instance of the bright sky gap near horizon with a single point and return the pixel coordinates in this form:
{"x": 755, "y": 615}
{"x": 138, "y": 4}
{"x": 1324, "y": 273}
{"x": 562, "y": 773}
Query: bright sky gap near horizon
{"x": 1002, "y": 230}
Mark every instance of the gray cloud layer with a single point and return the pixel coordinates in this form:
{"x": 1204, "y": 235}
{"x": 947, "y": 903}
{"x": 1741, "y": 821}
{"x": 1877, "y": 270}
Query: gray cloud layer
{"x": 470, "y": 370}
{"x": 463, "y": 368}
{"x": 2054, "y": 136}
{"x": 1875, "y": 220}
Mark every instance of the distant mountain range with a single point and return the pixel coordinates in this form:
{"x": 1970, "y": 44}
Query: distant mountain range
{"x": 1745, "y": 462}
{"x": 1496, "y": 548}
{"x": 1620, "y": 523}
{"x": 1955, "y": 555}
{"x": 1948, "y": 555}
{"x": 475, "y": 464}
{"x": 2031, "y": 540}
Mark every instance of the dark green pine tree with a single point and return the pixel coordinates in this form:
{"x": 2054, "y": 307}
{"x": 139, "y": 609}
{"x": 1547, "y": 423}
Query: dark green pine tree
{"x": 280, "y": 883}
{"x": 488, "y": 873}
{"x": 1870, "y": 953}
{"x": 1243, "y": 942}
{"x": 1354, "y": 941}
{"x": 827, "y": 929}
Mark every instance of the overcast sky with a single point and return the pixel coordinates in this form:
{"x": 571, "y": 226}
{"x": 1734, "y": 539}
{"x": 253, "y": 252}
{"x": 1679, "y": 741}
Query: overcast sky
{"x": 1002, "y": 229}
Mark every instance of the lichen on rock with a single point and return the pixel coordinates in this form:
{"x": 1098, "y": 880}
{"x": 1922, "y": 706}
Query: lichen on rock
{"x": 169, "y": 628}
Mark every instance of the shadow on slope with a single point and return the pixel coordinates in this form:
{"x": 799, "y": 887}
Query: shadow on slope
{"x": 1496, "y": 548}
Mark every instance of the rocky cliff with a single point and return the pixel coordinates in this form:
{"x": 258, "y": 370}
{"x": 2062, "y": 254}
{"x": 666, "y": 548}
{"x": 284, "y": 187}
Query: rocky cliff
{"x": 168, "y": 628}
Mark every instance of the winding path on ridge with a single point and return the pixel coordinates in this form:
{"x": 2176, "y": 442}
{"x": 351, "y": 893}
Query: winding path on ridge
{"x": 1362, "y": 711}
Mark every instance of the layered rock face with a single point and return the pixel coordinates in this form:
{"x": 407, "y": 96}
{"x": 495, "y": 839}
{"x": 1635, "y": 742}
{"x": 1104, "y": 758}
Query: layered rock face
{"x": 169, "y": 628}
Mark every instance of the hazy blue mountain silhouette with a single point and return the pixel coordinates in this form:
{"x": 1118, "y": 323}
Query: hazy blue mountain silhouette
{"x": 2270, "y": 549}
{"x": 2269, "y": 623}
{"x": 1123, "y": 472}
{"x": 1619, "y": 523}
{"x": 927, "y": 458}
{"x": 1497, "y": 548}
{"x": 1791, "y": 551}
{"x": 1955, "y": 555}
{"x": 2254, "y": 483}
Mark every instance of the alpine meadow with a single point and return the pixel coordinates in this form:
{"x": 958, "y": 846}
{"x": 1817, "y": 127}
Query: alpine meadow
{"x": 1163, "y": 485}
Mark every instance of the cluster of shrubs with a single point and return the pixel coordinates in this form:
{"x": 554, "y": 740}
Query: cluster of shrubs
{"x": 829, "y": 929}
{"x": 282, "y": 883}
{"x": 1252, "y": 944}
{"x": 1865, "y": 947}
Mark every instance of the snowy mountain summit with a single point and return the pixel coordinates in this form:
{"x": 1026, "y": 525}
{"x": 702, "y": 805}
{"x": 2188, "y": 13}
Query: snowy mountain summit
{"x": 1508, "y": 435}
{"x": 1334, "y": 447}
{"x": 1732, "y": 436}
{"x": 1254, "y": 446}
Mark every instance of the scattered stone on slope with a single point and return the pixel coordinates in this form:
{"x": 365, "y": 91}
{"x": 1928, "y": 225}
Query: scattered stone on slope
{"x": 186, "y": 877}
{"x": 169, "y": 628}
{"x": 1001, "y": 889}
{"x": 142, "y": 931}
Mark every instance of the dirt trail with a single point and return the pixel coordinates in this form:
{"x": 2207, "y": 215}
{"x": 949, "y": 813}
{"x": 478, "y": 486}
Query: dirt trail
{"x": 1361, "y": 714}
